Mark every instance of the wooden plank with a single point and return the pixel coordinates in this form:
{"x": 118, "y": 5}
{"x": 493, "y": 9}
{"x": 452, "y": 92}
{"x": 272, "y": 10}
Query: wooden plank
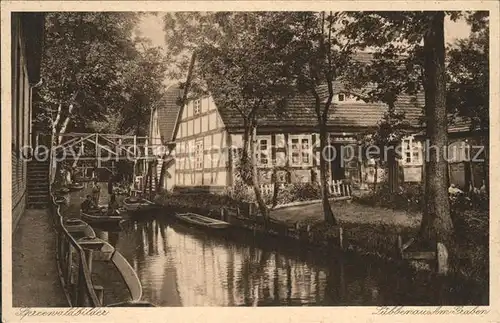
{"x": 442, "y": 259}
{"x": 407, "y": 244}
{"x": 419, "y": 255}
{"x": 129, "y": 276}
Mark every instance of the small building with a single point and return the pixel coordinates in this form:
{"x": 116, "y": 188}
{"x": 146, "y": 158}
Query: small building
{"x": 26, "y": 49}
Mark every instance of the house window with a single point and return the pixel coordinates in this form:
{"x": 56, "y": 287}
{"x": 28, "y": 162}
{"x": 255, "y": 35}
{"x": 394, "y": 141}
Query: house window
{"x": 263, "y": 151}
{"x": 412, "y": 152}
{"x": 199, "y": 154}
{"x": 341, "y": 97}
{"x": 196, "y": 107}
{"x": 300, "y": 146}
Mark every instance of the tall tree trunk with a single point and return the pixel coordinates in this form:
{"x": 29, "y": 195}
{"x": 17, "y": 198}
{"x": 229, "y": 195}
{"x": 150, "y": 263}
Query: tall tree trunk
{"x": 375, "y": 176}
{"x": 55, "y": 125}
{"x": 486, "y": 163}
{"x": 275, "y": 188}
{"x": 436, "y": 223}
{"x": 163, "y": 172}
{"x": 327, "y": 210}
{"x": 64, "y": 125}
{"x": 255, "y": 175}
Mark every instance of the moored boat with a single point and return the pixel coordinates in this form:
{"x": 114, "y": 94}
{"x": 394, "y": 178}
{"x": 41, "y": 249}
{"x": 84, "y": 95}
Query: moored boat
{"x": 100, "y": 216}
{"x": 63, "y": 190}
{"x": 103, "y": 251}
{"x": 60, "y": 200}
{"x": 136, "y": 204}
{"x": 78, "y": 228}
{"x": 75, "y": 186}
{"x": 202, "y": 221}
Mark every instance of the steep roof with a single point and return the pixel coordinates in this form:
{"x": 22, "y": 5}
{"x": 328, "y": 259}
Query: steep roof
{"x": 350, "y": 115}
{"x": 168, "y": 110}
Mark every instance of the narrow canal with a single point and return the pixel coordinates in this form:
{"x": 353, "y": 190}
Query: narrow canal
{"x": 183, "y": 266}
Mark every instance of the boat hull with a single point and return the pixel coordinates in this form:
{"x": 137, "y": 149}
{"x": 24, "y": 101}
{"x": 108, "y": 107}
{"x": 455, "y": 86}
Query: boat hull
{"x": 101, "y": 219}
{"x": 202, "y": 221}
{"x": 76, "y": 187}
{"x": 142, "y": 206}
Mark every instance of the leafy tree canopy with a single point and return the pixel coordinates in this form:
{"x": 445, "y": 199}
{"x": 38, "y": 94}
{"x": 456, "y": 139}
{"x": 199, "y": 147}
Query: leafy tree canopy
{"x": 93, "y": 68}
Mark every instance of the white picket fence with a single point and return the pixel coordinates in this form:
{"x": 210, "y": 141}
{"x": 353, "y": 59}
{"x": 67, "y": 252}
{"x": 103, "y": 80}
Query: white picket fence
{"x": 336, "y": 188}
{"x": 340, "y": 188}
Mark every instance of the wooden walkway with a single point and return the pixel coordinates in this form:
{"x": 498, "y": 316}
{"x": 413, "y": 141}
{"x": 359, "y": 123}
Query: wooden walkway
{"x": 35, "y": 281}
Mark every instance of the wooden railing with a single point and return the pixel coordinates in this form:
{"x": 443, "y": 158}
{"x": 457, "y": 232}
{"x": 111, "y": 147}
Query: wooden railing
{"x": 72, "y": 265}
{"x": 340, "y": 188}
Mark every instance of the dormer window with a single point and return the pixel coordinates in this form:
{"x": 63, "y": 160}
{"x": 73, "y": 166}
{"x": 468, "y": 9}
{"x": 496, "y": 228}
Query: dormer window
{"x": 341, "y": 97}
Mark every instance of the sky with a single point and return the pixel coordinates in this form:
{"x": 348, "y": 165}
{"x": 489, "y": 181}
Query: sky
{"x": 152, "y": 27}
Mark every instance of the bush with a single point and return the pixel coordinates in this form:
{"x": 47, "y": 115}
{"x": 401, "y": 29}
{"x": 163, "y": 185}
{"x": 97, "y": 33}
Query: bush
{"x": 305, "y": 191}
{"x": 287, "y": 194}
{"x": 410, "y": 196}
{"x": 209, "y": 202}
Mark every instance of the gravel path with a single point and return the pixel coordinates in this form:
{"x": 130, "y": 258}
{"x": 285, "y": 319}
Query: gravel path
{"x": 34, "y": 270}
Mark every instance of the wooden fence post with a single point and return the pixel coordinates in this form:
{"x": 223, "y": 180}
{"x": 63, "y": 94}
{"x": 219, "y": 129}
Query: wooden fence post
{"x": 442, "y": 259}
{"x": 341, "y": 238}
{"x": 399, "y": 246}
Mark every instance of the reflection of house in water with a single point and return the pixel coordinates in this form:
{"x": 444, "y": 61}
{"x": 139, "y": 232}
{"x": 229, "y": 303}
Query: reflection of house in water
{"x": 201, "y": 268}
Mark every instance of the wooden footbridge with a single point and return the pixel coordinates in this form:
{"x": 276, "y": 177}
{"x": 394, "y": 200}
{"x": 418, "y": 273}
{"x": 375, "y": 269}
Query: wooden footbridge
{"x": 90, "y": 151}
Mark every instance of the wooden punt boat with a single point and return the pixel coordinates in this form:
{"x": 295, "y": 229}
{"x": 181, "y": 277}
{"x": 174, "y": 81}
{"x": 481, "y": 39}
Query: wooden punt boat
{"x": 75, "y": 186}
{"x": 78, "y": 228}
{"x": 103, "y": 251}
{"x": 131, "y": 204}
{"x": 100, "y": 217}
{"x": 60, "y": 200}
{"x": 63, "y": 190}
{"x": 201, "y": 221}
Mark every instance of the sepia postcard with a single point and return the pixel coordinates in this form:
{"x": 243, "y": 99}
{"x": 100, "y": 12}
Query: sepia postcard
{"x": 187, "y": 161}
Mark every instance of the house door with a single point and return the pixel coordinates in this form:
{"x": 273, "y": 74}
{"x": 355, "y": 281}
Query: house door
{"x": 338, "y": 170}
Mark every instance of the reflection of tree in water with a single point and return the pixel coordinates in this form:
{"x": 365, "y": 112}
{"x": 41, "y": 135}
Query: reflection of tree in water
{"x": 333, "y": 282}
{"x": 150, "y": 237}
{"x": 163, "y": 228}
{"x": 276, "y": 279}
{"x": 230, "y": 275}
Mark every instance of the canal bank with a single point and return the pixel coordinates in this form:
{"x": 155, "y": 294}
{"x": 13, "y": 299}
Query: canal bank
{"x": 35, "y": 280}
{"x": 368, "y": 231}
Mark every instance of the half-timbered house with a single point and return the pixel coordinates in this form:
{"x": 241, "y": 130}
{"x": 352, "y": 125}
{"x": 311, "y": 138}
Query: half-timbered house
{"x": 287, "y": 149}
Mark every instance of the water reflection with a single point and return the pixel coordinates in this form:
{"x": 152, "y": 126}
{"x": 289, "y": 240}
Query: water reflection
{"x": 182, "y": 266}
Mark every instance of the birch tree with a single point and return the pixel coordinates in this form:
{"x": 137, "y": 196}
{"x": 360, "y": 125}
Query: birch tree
{"x": 83, "y": 66}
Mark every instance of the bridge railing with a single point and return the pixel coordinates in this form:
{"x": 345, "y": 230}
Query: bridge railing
{"x": 72, "y": 266}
